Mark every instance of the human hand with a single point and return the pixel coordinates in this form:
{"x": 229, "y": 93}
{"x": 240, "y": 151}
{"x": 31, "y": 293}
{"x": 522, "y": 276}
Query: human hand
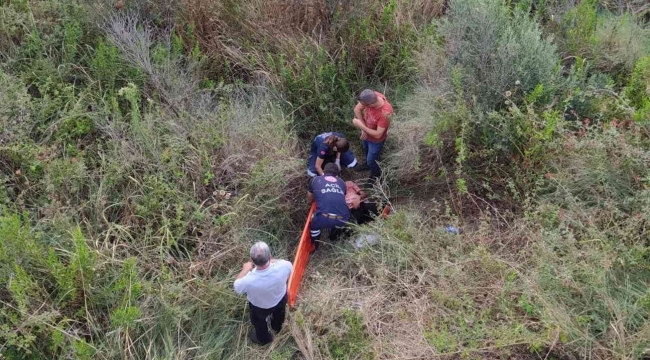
{"x": 358, "y": 123}
{"x": 364, "y": 136}
{"x": 248, "y": 266}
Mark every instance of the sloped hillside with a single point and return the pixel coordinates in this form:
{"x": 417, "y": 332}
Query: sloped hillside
{"x": 146, "y": 145}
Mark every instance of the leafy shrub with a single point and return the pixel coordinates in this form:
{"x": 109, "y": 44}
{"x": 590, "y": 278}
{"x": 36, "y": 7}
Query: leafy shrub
{"x": 353, "y": 341}
{"x": 14, "y": 19}
{"x": 32, "y": 277}
{"x": 15, "y": 110}
{"x": 638, "y": 90}
{"x": 465, "y": 149}
{"x": 612, "y": 43}
{"x": 494, "y": 52}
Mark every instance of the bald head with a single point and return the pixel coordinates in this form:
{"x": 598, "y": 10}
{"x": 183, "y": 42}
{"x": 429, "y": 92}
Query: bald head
{"x": 260, "y": 253}
{"x": 367, "y": 97}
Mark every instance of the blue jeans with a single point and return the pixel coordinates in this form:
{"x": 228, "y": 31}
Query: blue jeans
{"x": 373, "y": 153}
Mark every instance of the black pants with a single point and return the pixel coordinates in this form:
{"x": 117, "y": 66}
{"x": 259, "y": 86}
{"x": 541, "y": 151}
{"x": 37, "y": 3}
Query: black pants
{"x": 258, "y": 318}
{"x": 365, "y": 212}
{"x": 320, "y": 222}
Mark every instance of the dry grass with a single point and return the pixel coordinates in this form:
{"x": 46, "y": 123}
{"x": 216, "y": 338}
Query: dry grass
{"x": 244, "y": 33}
{"x": 409, "y": 285}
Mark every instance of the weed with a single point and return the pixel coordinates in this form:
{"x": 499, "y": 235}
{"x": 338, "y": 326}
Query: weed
{"x": 492, "y": 50}
{"x": 144, "y": 149}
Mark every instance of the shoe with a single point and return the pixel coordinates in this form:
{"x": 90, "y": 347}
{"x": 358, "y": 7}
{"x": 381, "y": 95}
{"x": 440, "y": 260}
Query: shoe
{"x": 316, "y": 245}
{"x": 335, "y": 234}
{"x": 252, "y": 335}
{"x": 268, "y": 322}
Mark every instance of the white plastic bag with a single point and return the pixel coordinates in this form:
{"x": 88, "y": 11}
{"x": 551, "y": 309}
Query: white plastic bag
{"x": 365, "y": 240}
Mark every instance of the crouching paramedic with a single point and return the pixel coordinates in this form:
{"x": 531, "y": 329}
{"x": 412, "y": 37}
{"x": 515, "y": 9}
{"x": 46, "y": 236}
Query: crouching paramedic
{"x": 331, "y": 212}
{"x": 264, "y": 280}
{"x": 326, "y": 148}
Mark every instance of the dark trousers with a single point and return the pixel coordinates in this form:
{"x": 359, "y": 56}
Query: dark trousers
{"x": 319, "y": 222}
{"x": 365, "y": 212}
{"x": 259, "y": 315}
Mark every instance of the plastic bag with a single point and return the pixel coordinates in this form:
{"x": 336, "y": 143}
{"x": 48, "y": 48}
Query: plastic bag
{"x": 365, "y": 240}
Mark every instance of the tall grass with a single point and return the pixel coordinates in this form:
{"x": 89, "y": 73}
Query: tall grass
{"x": 143, "y": 150}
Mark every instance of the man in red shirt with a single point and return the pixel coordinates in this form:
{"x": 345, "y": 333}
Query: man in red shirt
{"x": 372, "y": 116}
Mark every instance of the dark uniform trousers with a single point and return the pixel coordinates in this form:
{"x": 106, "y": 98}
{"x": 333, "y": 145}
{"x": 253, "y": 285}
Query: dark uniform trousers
{"x": 259, "y": 315}
{"x": 320, "y": 222}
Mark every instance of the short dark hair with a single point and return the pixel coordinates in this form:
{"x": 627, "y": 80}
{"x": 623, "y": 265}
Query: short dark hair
{"x": 331, "y": 169}
{"x": 367, "y": 97}
{"x": 342, "y": 145}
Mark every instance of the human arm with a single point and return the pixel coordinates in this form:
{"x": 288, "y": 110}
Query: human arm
{"x": 319, "y": 166}
{"x": 245, "y": 269}
{"x": 310, "y": 192}
{"x": 359, "y": 124}
{"x": 338, "y": 160}
{"x": 358, "y": 110}
{"x": 241, "y": 281}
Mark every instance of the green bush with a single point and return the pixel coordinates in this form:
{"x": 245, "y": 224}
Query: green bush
{"x": 353, "y": 340}
{"x": 638, "y": 89}
{"x": 612, "y": 43}
{"x": 43, "y": 289}
{"x": 319, "y": 88}
{"x": 493, "y": 51}
{"x": 16, "y": 120}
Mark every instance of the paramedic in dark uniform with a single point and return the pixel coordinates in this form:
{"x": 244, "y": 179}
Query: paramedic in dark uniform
{"x": 326, "y": 148}
{"x": 332, "y": 211}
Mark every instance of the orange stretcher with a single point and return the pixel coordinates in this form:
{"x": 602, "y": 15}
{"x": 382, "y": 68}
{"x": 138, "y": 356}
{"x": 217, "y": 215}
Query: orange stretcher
{"x": 302, "y": 258}
{"x": 305, "y": 247}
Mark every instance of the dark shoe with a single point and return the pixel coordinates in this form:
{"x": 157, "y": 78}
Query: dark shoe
{"x": 316, "y": 245}
{"x": 253, "y": 336}
{"x": 335, "y": 234}
{"x": 363, "y": 167}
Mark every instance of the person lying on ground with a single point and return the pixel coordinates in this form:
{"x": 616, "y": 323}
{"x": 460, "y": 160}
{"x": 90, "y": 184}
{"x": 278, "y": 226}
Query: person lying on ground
{"x": 264, "y": 281}
{"x": 372, "y": 116}
{"x": 361, "y": 209}
{"x": 326, "y": 148}
{"x": 332, "y": 211}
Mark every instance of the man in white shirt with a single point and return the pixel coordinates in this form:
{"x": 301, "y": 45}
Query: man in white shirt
{"x": 264, "y": 280}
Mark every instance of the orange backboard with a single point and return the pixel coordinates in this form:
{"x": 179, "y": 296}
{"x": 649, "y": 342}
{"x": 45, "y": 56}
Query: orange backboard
{"x": 302, "y": 258}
